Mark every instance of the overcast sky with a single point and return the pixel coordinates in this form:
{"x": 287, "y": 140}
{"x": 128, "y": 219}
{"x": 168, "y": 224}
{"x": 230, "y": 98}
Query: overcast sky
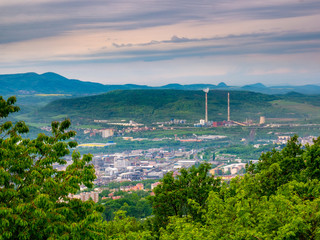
{"x": 155, "y": 42}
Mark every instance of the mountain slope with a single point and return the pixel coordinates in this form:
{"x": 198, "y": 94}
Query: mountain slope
{"x": 162, "y": 105}
{"x": 45, "y": 83}
{"x": 52, "y": 83}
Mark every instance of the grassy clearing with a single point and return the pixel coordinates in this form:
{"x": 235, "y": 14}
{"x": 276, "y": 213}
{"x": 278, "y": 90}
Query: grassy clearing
{"x": 59, "y": 117}
{"x": 93, "y": 145}
{"x": 38, "y": 125}
{"x": 52, "y": 95}
{"x": 85, "y": 126}
{"x": 308, "y": 110}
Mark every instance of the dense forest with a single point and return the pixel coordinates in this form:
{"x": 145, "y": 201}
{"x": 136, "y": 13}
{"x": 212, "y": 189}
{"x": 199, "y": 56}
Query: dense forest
{"x": 148, "y": 106}
{"x": 278, "y": 198}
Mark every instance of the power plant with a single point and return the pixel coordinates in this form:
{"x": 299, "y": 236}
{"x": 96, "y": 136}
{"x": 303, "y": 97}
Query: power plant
{"x": 229, "y": 122}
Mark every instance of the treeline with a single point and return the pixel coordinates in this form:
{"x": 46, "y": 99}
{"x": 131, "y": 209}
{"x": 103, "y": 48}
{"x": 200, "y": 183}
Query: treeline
{"x": 247, "y": 151}
{"x": 116, "y": 185}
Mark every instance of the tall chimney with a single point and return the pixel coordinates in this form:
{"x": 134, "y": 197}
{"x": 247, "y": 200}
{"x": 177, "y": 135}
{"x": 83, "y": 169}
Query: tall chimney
{"x": 228, "y": 107}
{"x": 206, "y": 107}
{"x": 206, "y": 91}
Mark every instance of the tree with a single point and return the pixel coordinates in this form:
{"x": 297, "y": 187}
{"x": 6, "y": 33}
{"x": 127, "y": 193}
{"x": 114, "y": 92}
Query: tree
{"x": 311, "y": 158}
{"x": 183, "y": 195}
{"x": 134, "y": 204}
{"x": 276, "y": 168}
{"x": 124, "y": 227}
{"x": 34, "y": 196}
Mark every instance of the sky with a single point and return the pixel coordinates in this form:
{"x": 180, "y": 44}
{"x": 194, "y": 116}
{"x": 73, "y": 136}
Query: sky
{"x": 156, "y": 42}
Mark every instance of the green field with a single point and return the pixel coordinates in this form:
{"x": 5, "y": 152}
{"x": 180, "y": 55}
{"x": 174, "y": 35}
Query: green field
{"x": 307, "y": 110}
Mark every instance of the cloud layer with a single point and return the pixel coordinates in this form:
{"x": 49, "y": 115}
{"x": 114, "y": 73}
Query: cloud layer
{"x": 126, "y": 41}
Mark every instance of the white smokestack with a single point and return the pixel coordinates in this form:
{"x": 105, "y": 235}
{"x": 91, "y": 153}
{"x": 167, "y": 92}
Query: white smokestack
{"x": 206, "y": 109}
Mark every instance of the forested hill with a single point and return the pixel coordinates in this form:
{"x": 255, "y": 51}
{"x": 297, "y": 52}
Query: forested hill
{"x": 163, "y": 105}
{"x": 52, "y": 83}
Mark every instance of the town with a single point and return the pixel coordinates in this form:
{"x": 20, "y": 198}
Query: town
{"x": 152, "y": 164}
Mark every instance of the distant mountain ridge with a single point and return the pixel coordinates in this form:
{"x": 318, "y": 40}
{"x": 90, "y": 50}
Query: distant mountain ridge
{"x": 53, "y": 83}
{"x": 49, "y": 83}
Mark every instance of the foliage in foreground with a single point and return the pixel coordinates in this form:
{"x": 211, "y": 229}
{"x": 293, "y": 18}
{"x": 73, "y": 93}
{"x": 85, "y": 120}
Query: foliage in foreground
{"x": 34, "y": 202}
{"x": 34, "y": 196}
{"x": 279, "y": 198}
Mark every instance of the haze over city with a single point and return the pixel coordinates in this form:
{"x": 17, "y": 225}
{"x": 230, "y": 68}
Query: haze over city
{"x": 160, "y": 42}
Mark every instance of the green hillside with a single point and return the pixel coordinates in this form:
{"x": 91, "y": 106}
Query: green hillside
{"x": 52, "y": 83}
{"x": 162, "y": 105}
